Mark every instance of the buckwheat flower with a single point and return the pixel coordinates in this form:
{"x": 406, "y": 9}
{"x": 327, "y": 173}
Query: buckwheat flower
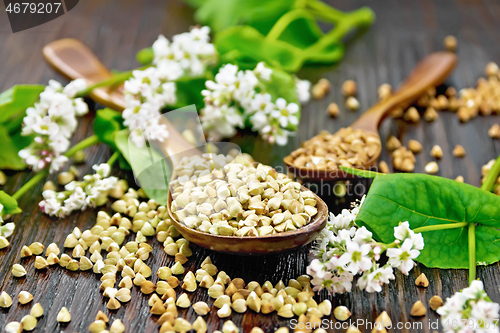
{"x": 303, "y": 90}
{"x": 418, "y": 241}
{"x": 345, "y": 235}
{"x": 259, "y": 121}
{"x": 146, "y": 94}
{"x": 341, "y": 221}
{"x": 470, "y": 310}
{"x": 243, "y": 93}
{"x": 190, "y": 52}
{"x": 402, "y": 257}
{"x": 261, "y": 103}
{"x": 286, "y": 113}
{"x": 245, "y": 85}
{"x": 227, "y": 75}
{"x": 148, "y": 91}
{"x": 485, "y": 312}
{"x": 341, "y": 283}
{"x": 316, "y": 268}
{"x": 156, "y": 131}
{"x": 373, "y": 280}
{"x": 475, "y": 290}
{"x": 319, "y": 283}
{"x": 221, "y": 122}
{"x": 73, "y": 88}
{"x": 262, "y": 72}
{"x": 403, "y": 232}
{"x": 343, "y": 250}
{"x": 362, "y": 236}
{"x": 275, "y": 135}
{"x": 78, "y": 195}
{"x": 329, "y": 276}
{"x": 152, "y": 86}
{"x": 356, "y": 258}
{"x": 53, "y": 121}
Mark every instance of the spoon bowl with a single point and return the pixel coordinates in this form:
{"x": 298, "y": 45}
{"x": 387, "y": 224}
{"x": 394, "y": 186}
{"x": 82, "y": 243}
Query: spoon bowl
{"x": 431, "y": 71}
{"x": 74, "y": 60}
{"x": 327, "y": 174}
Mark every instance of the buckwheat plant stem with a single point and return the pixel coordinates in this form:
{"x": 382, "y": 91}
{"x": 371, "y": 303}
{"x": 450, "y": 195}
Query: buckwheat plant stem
{"x": 113, "y": 158}
{"x": 492, "y": 176}
{"x": 284, "y": 21}
{"x": 38, "y": 177}
{"x": 487, "y": 186}
{"x": 85, "y": 143}
{"x": 441, "y": 227}
{"x": 472, "y": 252}
{"x": 92, "y": 140}
{"x": 114, "y": 80}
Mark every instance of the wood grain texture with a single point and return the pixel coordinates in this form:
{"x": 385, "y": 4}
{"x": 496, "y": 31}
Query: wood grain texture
{"x": 404, "y": 32}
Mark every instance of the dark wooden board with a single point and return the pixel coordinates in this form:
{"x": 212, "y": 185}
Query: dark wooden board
{"x": 404, "y": 32}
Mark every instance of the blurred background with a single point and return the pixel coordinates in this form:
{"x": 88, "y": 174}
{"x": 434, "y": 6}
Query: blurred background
{"x": 404, "y": 32}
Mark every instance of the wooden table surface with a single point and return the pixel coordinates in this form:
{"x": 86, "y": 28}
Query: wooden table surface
{"x": 404, "y": 32}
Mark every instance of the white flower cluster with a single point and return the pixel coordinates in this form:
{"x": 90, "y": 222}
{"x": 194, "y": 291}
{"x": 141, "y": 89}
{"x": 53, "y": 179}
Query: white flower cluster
{"x": 148, "y": 91}
{"x": 237, "y": 96}
{"x": 345, "y": 250}
{"x": 470, "y": 310}
{"x": 53, "y": 120}
{"x": 7, "y": 229}
{"x": 189, "y": 54}
{"x": 78, "y": 195}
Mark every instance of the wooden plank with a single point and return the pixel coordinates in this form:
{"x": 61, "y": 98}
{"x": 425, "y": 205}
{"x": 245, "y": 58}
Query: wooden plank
{"x": 404, "y": 32}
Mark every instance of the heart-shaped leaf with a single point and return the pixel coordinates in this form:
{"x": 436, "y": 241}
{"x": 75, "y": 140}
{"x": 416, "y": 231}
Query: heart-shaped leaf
{"x": 220, "y": 15}
{"x": 17, "y": 99}
{"x": 245, "y": 46}
{"x": 425, "y": 201}
{"x": 11, "y": 145}
{"x": 9, "y": 204}
{"x": 151, "y": 170}
{"x": 107, "y": 123}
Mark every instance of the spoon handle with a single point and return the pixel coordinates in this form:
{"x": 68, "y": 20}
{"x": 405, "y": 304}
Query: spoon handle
{"x": 431, "y": 71}
{"x": 74, "y": 60}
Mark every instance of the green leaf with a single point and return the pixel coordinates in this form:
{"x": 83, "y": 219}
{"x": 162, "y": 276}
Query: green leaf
{"x": 17, "y": 99}
{"x": 245, "y": 46}
{"x": 151, "y": 170}
{"x": 222, "y": 14}
{"x": 361, "y": 173}
{"x": 195, "y": 3}
{"x": 11, "y": 145}
{"x": 189, "y": 92}
{"x": 425, "y": 200}
{"x": 282, "y": 85}
{"x": 107, "y": 122}
{"x": 9, "y": 204}
{"x": 302, "y": 32}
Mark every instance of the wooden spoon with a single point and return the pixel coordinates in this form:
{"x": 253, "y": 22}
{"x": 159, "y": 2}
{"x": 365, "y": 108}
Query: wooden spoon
{"x": 74, "y": 60}
{"x": 429, "y": 72}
